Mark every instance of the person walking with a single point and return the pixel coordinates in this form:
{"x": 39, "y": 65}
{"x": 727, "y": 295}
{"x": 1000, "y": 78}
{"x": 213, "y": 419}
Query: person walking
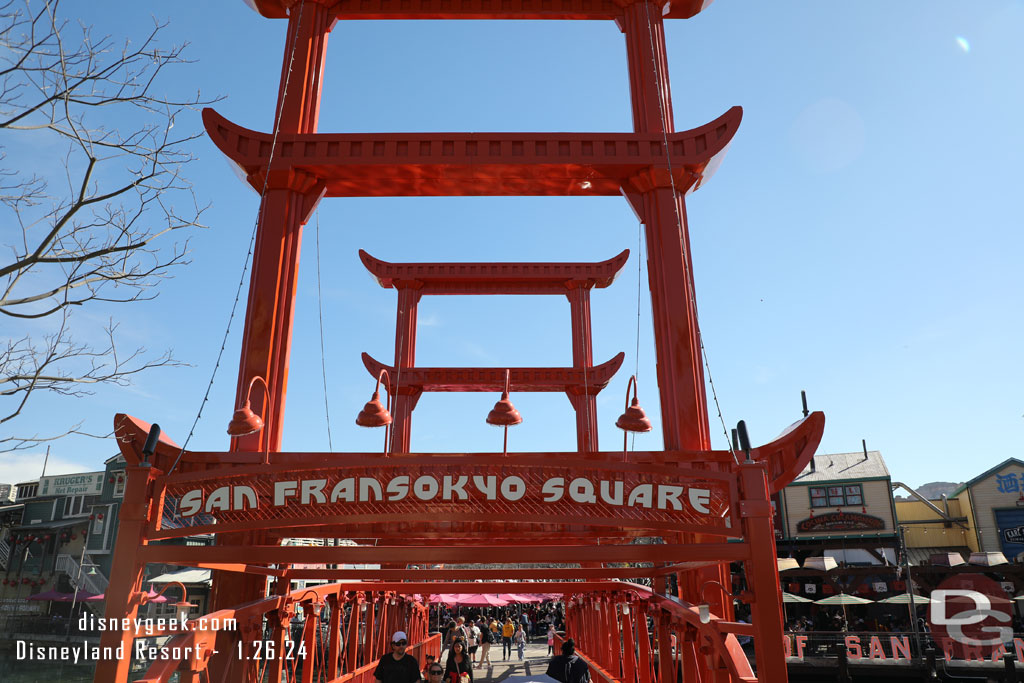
{"x": 458, "y": 664}
{"x": 507, "y": 631}
{"x": 569, "y": 667}
{"x": 486, "y": 640}
{"x": 449, "y": 636}
{"x": 398, "y": 666}
{"x": 551, "y": 639}
{"x": 472, "y": 640}
{"x": 519, "y": 638}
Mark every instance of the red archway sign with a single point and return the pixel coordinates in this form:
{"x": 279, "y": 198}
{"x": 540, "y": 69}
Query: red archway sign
{"x": 571, "y": 518}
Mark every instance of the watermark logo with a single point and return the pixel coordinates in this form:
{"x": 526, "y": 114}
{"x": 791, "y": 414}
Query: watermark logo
{"x": 971, "y": 616}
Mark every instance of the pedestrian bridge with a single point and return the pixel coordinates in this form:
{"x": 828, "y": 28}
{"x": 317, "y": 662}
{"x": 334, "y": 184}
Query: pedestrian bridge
{"x": 620, "y": 628}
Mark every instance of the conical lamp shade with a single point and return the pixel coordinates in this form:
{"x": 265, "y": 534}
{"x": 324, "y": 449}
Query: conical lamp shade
{"x": 374, "y": 414}
{"x": 634, "y": 419}
{"x": 504, "y": 414}
{"x": 245, "y": 422}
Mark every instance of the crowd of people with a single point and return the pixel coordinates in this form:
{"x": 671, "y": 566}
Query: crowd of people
{"x": 473, "y": 639}
{"x": 467, "y": 642}
{"x": 467, "y": 638}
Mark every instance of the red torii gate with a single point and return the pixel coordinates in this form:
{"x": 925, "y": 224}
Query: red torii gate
{"x": 581, "y": 383}
{"x": 693, "y": 497}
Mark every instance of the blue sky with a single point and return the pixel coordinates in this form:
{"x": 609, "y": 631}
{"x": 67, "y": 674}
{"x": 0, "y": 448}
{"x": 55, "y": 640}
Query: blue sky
{"x": 860, "y": 241}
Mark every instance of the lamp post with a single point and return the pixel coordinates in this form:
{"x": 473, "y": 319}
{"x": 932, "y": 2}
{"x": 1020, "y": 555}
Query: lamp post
{"x": 633, "y": 418}
{"x": 181, "y": 607}
{"x": 374, "y": 414}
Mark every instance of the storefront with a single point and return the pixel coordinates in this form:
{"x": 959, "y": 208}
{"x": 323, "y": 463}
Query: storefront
{"x": 994, "y": 505}
{"x": 840, "y": 506}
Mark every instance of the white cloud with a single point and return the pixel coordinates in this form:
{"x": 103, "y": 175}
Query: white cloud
{"x": 19, "y": 467}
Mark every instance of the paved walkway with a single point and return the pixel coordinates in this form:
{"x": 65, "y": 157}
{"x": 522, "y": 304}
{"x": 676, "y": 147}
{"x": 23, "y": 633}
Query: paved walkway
{"x": 532, "y": 667}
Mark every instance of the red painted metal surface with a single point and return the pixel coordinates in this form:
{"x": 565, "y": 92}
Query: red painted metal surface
{"x": 493, "y": 379}
{"x": 414, "y": 280}
{"x": 481, "y": 9}
{"x": 491, "y": 164}
{"x": 494, "y": 278}
{"x": 544, "y": 508}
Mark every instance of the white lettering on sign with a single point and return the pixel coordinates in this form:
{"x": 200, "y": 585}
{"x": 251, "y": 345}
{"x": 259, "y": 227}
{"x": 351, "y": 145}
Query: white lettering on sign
{"x": 581, "y": 490}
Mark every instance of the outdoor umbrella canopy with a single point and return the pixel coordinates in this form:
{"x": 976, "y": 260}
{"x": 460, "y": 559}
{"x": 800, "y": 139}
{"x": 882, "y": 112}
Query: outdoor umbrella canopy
{"x": 904, "y": 599}
{"x": 522, "y": 597}
{"x": 51, "y": 595}
{"x": 151, "y": 596}
{"x": 789, "y": 597}
{"x": 472, "y": 599}
{"x": 843, "y": 599}
{"x": 786, "y": 563}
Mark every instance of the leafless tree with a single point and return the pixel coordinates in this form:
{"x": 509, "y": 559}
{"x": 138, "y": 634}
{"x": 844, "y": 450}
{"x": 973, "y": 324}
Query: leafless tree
{"x": 92, "y": 198}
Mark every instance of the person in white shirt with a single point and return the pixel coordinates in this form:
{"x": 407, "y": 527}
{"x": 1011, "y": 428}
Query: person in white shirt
{"x": 473, "y": 640}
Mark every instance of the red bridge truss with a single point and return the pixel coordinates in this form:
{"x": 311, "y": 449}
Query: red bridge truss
{"x": 572, "y": 521}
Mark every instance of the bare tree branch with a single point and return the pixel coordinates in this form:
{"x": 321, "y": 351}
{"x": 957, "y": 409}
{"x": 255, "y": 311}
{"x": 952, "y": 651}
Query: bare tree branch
{"x": 103, "y": 229}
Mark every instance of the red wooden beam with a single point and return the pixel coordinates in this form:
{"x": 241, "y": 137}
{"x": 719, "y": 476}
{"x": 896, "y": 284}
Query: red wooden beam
{"x": 481, "y": 9}
{"x": 472, "y": 164}
{"x": 571, "y": 380}
{"x": 494, "y": 278}
{"x": 541, "y": 574}
{"x": 723, "y": 552}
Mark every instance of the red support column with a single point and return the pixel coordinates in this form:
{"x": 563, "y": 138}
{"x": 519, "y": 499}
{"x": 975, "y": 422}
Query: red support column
{"x": 336, "y": 605}
{"x": 666, "y": 670}
{"x": 583, "y": 357}
{"x": 629, "y": 645}
{"x": 643, "y": 637}
{"x": 352, "y": 640}
{"x": 124, "y": 591}
{"x": 289, "y": 200}
{"x": 611, "y": 638}
{"x": 368, "y": 646}
{"x": 658, "y": 197}
{"x": 310, "y": 630}
{"x": 762, "y": 572}
{"x": 405, "y": 357}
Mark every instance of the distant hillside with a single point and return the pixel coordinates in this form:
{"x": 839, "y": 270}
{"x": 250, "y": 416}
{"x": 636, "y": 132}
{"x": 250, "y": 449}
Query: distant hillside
{"x": 933, "y": 490}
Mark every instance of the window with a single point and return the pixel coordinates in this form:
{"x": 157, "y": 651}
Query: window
{"x": 119, "y": 485}
{"x": 74, "y": 506}
{"x": 836, "y": 496}
{"x": 27, "y": 491}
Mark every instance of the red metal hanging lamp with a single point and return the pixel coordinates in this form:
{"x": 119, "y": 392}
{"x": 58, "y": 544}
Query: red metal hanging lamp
{"x": 504, "y": 414}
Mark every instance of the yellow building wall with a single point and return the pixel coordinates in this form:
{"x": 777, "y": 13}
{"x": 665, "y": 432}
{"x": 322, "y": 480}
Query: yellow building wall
{"x": 933, "y": 533}
{"x": 972, "y": 527}
{"x": 986, "y": 498}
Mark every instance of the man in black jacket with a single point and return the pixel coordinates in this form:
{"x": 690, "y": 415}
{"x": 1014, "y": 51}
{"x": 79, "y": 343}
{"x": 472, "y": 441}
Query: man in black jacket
{"x": 569, "y": 667}
{"x": 397, "y": 666}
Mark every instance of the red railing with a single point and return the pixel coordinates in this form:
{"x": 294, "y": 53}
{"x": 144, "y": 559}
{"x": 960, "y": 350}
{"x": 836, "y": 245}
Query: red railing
{"x": 621, "y": 635}
{"x": 343, "y": 634}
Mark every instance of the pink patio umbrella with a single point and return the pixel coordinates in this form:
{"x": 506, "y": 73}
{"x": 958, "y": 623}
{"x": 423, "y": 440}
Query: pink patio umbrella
{"x": 522, "y": 597}
{"x": 151, "y": 595}
{"x": 470, "y": 599}
{"x": 51, "y": 595}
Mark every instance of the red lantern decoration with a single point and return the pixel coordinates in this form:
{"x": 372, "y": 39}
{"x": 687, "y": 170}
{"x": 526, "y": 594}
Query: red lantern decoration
{"x": 74, "y": 536}
{"x": 110, "y": 481}
{"x": 46, "y": 537}
{"x": 24, "y": 581}
{"x": 99, "y": 516}
{"x": 92, "y": 517}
